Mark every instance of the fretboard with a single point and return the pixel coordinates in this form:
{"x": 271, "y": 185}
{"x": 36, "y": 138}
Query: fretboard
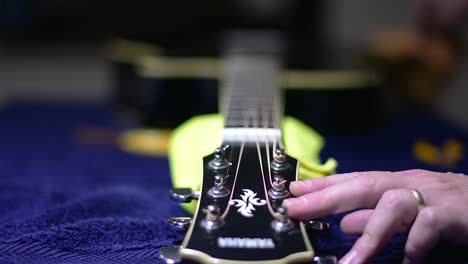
{"x": 250, "y": 95}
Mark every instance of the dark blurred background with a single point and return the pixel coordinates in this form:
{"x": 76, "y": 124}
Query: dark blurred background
{"x": 58, "y": 51}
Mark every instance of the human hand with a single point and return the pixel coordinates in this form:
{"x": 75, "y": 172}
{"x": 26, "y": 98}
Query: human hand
{"x": 388, "y": 206}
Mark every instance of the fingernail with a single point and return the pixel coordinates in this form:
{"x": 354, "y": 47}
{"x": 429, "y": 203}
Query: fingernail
{"x": 295, "y": 184}
{"x": 292, "y": 202}
{"x": 296, "y": 187}
{"x": 349, "y": 258}
{"x": 286, "y": 203}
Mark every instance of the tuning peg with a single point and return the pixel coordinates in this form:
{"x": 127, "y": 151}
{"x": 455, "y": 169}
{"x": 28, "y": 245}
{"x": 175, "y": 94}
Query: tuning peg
{"x": 219, "y": 162}
{"x": 325, "y": 260}
{"x": 279, "y": 165}
{"x": 317, "y": 225}
{"x": 219, "y": 190}
{"x": 184, "y": 195}
{"x": 212, "y": 220}
{"x": 180, "y": 222}
{"x": 170, "y": 254}
{"x": 282, "y": 223}
{"x": 278, "y": 190}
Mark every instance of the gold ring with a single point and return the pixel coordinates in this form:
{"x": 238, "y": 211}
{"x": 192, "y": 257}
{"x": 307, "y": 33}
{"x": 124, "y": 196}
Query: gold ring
{"x": 417, "y": 194}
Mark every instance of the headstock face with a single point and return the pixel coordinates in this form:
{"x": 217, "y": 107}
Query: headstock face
{"x": 241, "y": 225}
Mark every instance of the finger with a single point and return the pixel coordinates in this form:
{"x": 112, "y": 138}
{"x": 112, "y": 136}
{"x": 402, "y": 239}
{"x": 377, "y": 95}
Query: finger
{"x": 355, "y": 222}
{"x": 359, "y": 192}
{"x": 395, "y": 211}
{"x": 424, "y": 234}
{"x": 299, "y": 188}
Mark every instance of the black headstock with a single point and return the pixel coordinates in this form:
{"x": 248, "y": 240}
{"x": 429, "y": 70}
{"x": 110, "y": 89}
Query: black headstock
{"x": 239, "y": 217}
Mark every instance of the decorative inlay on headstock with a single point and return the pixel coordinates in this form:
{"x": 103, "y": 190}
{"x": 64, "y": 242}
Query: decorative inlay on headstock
{"x": 248, "y": 203}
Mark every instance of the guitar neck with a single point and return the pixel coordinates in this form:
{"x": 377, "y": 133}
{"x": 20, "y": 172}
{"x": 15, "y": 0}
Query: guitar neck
{"x": 251, "y": 101}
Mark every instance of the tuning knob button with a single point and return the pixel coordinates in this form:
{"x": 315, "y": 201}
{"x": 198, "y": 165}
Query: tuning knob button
{"x": 219, "y": 162}
{"x": 279, "y": 165}
{"x": 278, "y": 190}
{"x": 170, "y": 254}
{"x": 282, "y": 222}
{"x": 317, "y": 225}
{"x": 325, "y": 260}
{"x": 183, "y": 195}
{"x": 212, "y": 220}
{"x": 180, "y": 222}
{"x": 219, "y": 190}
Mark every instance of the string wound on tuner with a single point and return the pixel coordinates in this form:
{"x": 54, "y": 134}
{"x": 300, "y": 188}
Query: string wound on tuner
{"x": 212, "y": 220}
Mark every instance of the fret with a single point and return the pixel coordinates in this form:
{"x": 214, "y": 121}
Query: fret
{"x": 243, "y": 123}
{"x": 250, "y": 94}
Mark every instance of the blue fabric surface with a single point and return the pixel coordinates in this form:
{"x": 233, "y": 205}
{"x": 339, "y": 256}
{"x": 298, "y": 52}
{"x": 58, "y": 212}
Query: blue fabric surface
{"x": 62, "y": 202}
{"x": 65, "y": 202}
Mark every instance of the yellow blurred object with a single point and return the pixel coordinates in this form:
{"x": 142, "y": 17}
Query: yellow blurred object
{"x": 453, "y": 150}
{"x": 418, "y": 63}
{"x": 143, "y": 141}
{"x": 446, "y": 156}
{"x": 200, "y": 135}
{"x": 152, "y": 142}
{"x": 129, "y": 51}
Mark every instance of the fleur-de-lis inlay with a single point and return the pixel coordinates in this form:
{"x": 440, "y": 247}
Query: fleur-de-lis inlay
{"x": 246, "y": 205}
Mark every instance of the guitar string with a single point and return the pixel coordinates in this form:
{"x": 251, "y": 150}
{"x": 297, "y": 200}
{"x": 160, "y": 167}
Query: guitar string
{"x": 259, "y": 152}
{"x": 278, "y": 110}
{"x": 226, "y": 94}
{"x": 273, "y": 116}
{"x": 270, "y": 209}
{"x": 241, "y": 152}
{"x": 275, "y": 119}
{"x": 226, "y": 211}
{"x": 266, "y": 121}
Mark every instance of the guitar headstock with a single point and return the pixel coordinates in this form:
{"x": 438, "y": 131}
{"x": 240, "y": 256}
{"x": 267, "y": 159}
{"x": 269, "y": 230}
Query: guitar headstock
{"x": 239, "y": 215}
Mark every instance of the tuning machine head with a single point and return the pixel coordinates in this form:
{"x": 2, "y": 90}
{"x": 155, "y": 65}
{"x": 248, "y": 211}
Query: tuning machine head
{"x": 325, "y": 260}
{"x": 317, "y": 225}
{"x": 219, "y": 163}
{"x": 170, "y": 254}
{"x": 278, "y": 191}
{"x": 180, "y": 222}
{"x": 219, "y": 190}
{"x": 183, "y": 195}
{"x": 212, "y": 220}
{"x": 282, "y": 223}
{"x": 279, "y": 164}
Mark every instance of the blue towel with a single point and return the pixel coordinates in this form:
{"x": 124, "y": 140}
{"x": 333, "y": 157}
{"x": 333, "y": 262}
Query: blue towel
{"x": 65, "y": 202}
{"x": 62, "y": 202}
